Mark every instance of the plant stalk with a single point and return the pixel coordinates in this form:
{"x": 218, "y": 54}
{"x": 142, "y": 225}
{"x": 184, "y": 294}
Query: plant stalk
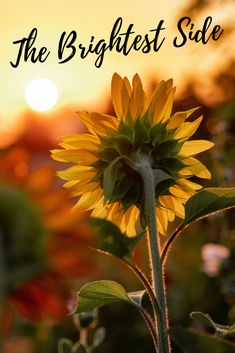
{"x": 154, "y": 255}
{"x": 142, "y": 164}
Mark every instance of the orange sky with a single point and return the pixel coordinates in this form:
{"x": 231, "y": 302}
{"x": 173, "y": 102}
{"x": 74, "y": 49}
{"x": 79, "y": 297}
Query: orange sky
{"x": 79, "y": 81}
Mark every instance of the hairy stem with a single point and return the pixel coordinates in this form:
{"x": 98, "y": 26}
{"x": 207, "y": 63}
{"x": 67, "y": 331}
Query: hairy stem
{"x": 155, "y": 258}
{"x": 169, "y": 243}
{"x": 151, "y": 326}
{"x": 142, "y": 164}
{"x": 153, "y": 299}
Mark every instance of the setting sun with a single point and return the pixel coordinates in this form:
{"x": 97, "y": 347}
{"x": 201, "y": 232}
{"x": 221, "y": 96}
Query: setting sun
{"x": 41, "y": 94}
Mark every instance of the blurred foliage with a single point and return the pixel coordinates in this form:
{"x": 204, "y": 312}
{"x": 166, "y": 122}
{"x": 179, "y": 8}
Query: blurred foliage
{"x": 21, "y": 239}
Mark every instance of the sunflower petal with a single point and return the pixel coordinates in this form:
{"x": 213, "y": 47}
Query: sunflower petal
{"x": 179, "y": 118}
{"x": 77, "y": 172}
{"x": 187, "y": 129}
{"x": 162, "y": 220}
{"x": 189, "y": 184}
{"x": 137, "y": 98}
{"x": 88, "y": 200}
{"x": 180, "y": 193}
{"x": 172, "y": 203}
{"x": 116, "y": 93}
{"x": 166, "y": 112}
{"x": 190, "y": 148}
{"x": 194, "y": 167}
{"x": 160, "y": 101}
{"x": 74, "y": 155}
{"x": 90, "y": 142}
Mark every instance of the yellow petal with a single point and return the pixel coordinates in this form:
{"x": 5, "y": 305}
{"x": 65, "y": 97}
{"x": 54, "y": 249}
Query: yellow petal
{"x": 190, "y": 148}
{"x": 74, "y": 155}
{"x": 125, "y": 100}
{"x": 158, "y": 98}
{"x": 172, "y": 203}
{"x": 116, "y": 93}
{"x": 178, "y": 118}
{"x": 166, "y": 111}
{"x": 127, "y": 85}
{"x": 161, "y": 101}
{"x": 82, "y": 186}
{"x": 195, "y": 168}
{"x": 189, "y": 184}
{"x": 137, "y": 98}
{"x": 77, "y": 172}
{"x": 99, "y": 212}
{"x": 115, "y": 213}
{"x": 180, "y": 193}
{"x": 170, "y": 215}
{"x": 186, "y": 130}
{"x": 130, "y": 220}
{"x": 103, "y": 121}
{"x": 88, "y": 200}
{"x": 162, "y": 220}
{"x": 98, "y": 123}
{"x": 90, "y": 142}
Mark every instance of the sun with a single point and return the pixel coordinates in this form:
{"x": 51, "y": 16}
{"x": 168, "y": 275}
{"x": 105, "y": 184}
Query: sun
{"x": 41, "y": 94}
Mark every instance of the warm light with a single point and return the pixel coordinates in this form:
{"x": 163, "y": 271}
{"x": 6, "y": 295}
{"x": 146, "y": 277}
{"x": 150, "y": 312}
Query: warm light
{"x": 41, "y": 94}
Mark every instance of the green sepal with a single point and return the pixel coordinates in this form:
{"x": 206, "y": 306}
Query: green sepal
{"x": 124, "y": 129}
{"x": 158, "y": 133}
{"x": 160, "y": 176}
{"x": 111, "y": 175}
{"x": 167, "y": 149}
{"x": 141, "y": 134}
{"x": 120, "y": 189}
{"x": 112, "y": 241}
{"x": 132, "y": 196}
{"x": 108, "y": 154}
{"x": 122, "y": 143}
{"x": 172, "y": 164}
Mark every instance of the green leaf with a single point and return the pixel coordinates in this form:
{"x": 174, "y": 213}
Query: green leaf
{"x": 111, "y": 240}
{"x": 99, "y": 293}
{"x": 220, "y": 330}
{"x": 204, "y": 318}
{"x": 65, "y": 345}
{"x": 208, "y": 201}
{"x": 230, "y": 331}
{"x": 194, "y": 342}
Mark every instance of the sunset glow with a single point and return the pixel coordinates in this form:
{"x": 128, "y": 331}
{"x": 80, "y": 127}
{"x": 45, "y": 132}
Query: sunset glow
{"x": 41, "y": 94}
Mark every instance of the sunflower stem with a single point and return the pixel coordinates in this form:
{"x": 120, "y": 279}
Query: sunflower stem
{"x": 156, "y": 265}
{"x": 142, "y": 164}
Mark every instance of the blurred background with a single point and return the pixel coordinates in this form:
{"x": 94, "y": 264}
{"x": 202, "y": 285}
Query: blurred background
{"x": 45, "y": 250}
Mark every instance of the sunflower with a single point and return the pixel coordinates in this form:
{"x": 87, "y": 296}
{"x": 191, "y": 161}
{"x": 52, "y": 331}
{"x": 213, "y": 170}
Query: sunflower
{"x": 102, "y": 175}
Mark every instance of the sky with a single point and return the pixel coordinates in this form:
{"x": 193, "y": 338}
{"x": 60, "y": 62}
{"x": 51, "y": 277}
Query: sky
{"x": 78, "y": 81}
